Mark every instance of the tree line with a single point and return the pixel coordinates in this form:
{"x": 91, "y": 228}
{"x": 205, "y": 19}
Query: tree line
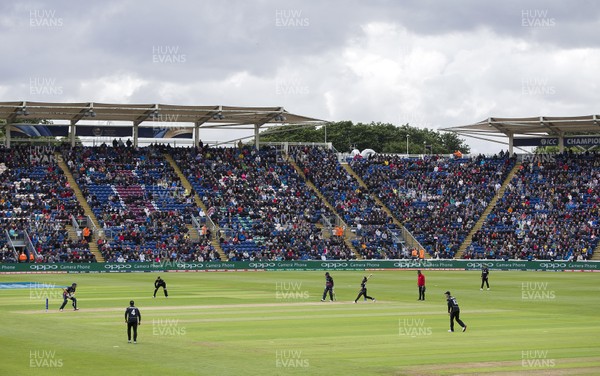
{"x": 382, "y": 137}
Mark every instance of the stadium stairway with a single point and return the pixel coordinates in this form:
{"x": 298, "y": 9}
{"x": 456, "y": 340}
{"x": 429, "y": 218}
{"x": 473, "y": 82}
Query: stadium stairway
{"x": 188, "y": 187}
{"x": 326, "y": 234}
{"x": 84, "y": 204}
{"x": 408, "y": 237}
{"x": 72, "y": 233}
{"x": 348, "y": 234}
{"x": 487, "y": 211}
{"x": 193, "y": 232}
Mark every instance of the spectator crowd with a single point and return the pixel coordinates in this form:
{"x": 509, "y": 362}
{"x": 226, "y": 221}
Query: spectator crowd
{"x": 264, "y": 209}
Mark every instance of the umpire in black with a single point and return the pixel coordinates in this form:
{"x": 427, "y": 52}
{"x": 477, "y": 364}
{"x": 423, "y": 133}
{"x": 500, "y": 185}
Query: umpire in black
{"x": 454, "y": 312}
{"x": 133, "y": 318}
{"x": 158, "y": 284}
{"x": 328, "y": 287}
{"x": 485, "y": 272}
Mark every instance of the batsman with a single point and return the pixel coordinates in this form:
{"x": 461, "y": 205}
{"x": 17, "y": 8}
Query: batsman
{"x": 69, "y": 293}
{"x": 363, "y": 289}
{"x": 328, "y": 287}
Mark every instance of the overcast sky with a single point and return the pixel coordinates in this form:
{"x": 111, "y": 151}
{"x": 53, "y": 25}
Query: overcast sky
{"x": 431, "y": 64}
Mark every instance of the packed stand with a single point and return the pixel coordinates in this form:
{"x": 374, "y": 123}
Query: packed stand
{"x": 264, "y": 209}
{"x": 549, "y": 211}
{"x": 438, "y": 199}
{"x": 7, "y": 255}
{"x": 37, "y": 205}
{"x": 140, "y": 204}
{"x": 376, "y": 234}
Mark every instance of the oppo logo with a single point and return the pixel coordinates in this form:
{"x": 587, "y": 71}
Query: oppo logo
{"x": 478, "y": 265}
{"x": 334, "y": 265}
{"x": 189, "y": 266}
{"x": 549, "y": 265}
{"x": 43, "y": 267}
{"x": 117, "y": 267}
{"x": 259, "y": 265}
{"x": 401, "y": 264}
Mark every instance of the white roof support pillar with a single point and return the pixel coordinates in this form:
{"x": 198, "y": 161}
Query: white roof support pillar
{"x": 72, "y": 131}
{"x": 256, "y": 140}
{"x": 196, "y": 133}
{"x": 561, "y": 142}
{"x": 135, "y": 135}
{"x": 7, "y": 134}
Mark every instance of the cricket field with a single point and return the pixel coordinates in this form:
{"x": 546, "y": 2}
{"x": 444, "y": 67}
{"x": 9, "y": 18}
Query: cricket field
{"x": 274, "y": 323}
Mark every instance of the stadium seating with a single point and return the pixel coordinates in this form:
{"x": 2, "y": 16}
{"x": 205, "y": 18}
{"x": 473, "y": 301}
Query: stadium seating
{"x": 375, "y": 239}
{"x": 266, "y": 211}
{"x": 548, "y": 212}
{"x": 37, "y": 202}
{"x": 263, "y": 207}
{"x": 437, "y": 198}
{"x": 140, "y": 204}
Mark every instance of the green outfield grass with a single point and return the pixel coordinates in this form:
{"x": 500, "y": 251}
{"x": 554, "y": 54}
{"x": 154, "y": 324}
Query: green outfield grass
{"x": 273, "y": 323}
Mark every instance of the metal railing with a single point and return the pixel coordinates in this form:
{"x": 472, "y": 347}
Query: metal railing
{"x": 327, "y": 224}
{"x": 75, "y": 223}
{"x": 227, "y": 233}
{"x": 410, "y": 240}
{"x": 29, "y": 246}
{"x": 92, "y": 226}
{"x": 109, "y": 233}
{"x": 198, "y": 222}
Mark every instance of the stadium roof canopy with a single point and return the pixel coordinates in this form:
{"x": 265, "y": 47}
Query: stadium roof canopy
{"x": 146, "y": 115}
{"x": 530, "y": 127}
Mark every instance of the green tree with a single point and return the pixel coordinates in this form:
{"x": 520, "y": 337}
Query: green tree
{"x": 381, "y": 137}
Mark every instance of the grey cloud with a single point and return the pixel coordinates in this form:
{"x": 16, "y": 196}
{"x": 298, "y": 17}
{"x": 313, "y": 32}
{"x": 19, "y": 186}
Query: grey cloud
{"x": 237, "y": 52}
